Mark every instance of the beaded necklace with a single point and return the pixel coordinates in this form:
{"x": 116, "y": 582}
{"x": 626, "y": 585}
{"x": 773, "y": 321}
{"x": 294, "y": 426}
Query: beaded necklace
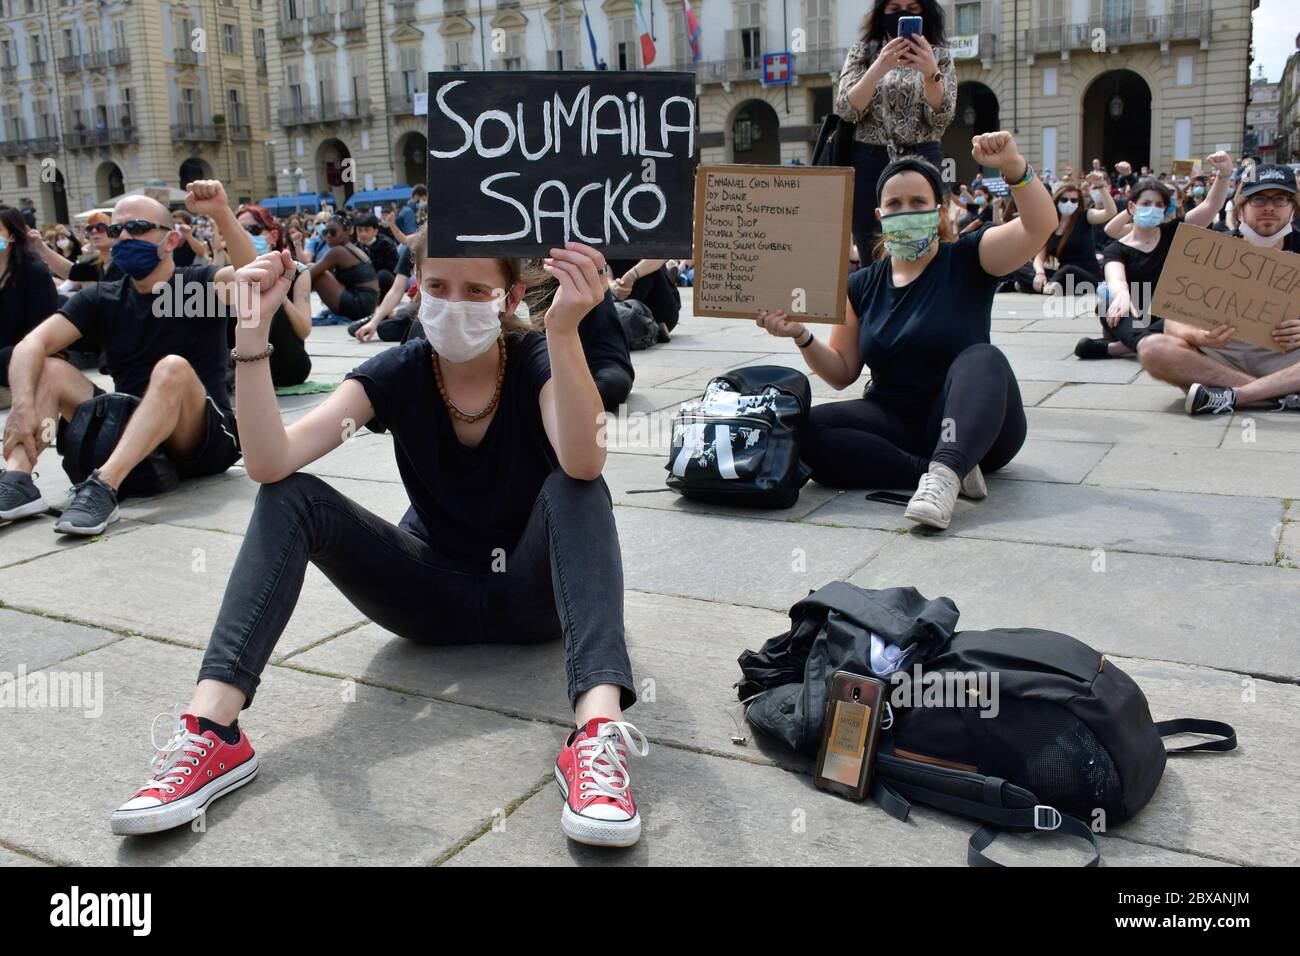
{"x": 456, "y": 411}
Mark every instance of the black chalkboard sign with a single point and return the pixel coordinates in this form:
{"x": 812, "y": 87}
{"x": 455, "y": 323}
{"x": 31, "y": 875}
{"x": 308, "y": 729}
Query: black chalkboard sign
{"x": 521, "y": 161}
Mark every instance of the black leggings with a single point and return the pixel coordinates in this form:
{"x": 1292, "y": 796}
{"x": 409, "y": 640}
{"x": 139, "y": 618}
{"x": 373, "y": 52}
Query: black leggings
{"x": 1023, "y": 279}
{"x": 614, "y": 383}
{"x": 976, "y": 419}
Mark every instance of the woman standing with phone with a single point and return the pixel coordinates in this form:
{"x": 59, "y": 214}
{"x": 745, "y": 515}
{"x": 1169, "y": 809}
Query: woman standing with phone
{"x": 898, "y": 87}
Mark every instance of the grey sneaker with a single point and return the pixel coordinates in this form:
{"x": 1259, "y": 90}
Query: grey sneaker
{"x": 19, "y": 496}
{"x": 973, "y": 486}
{"x": 1289, "y": 403}
{"x": 93, "y": 508}
{"x": 935, "y": 497}
{"x": 1210, "y": 400}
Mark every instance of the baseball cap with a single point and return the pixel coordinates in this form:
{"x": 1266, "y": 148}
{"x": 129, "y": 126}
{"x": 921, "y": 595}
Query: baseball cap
{"x": 1269, "y": 177}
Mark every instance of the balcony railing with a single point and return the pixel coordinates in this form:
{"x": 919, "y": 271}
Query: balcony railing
{"x": 8, "y": 73}
{"x": 404, "y": 11}
{"x": 13, "y": 147}
{"x": 321, "y": 23}
{"x": 352, "y": 19}
{"x": 1118, "y": 32}
{"x": 70, "y": 64}
{"x": 454, "y": 8}
{"x": 183, "y": 54}
{"x": 94, "y": 61}
{"x": 43, "y": 144}
{"x": 239, "y": 132}
{"x": 329, "y": 111}
{"x": 119, "y": 56}
{"x": 819, "y": 60}
{"x": 187, "y": 132}
{"x": 290, "y": 29}
{"x": 39, "y": 68}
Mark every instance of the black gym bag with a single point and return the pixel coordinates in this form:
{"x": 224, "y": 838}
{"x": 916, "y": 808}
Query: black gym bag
{"x": 86, "y": 442}
{"x": 1069, "y": 743}
{"x": 738, "y": 444}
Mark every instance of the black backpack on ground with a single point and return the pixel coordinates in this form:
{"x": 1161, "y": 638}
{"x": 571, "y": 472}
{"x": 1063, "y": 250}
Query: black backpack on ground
{"x": 87, "y": 441}
{"x": 1069, "y": 742}
{"x": 638, "y": 323}
{"x": 739, "y": 443}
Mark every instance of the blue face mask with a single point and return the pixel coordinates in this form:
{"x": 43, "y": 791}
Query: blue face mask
{"x": 1149, "y": 217}
{"x": 980, "y": 200}
{"x": 421, "y": 204}
{"x": 260, "y": 245}
{"x": 136, "y": 257}
{"x": 3, "y": 244}
{"x": 1198, "y": 192}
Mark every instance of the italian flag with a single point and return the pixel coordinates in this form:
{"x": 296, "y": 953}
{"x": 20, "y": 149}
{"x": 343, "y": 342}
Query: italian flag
{"x": 647, "y": 44}
{"x": 692, "y": 29}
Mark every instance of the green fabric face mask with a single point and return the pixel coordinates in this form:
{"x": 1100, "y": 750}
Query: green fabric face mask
{"x": 909, "y": 235}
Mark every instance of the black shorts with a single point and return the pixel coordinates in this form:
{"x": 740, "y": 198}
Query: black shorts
{"x": 220, "y": 448}
{"x": 358, "y": 302}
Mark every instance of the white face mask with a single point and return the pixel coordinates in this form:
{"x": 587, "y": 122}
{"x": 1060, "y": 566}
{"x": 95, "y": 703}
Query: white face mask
{"x": 1067, "y": 208}
{"x": 1255, "y": 239}
{"x": 459, "y": 331}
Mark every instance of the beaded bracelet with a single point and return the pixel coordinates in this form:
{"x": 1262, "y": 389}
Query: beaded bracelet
{"x": 265, "y": 353}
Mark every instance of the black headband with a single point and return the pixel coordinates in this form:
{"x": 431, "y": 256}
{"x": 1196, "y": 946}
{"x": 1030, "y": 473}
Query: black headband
{"x": 911, "y": 164}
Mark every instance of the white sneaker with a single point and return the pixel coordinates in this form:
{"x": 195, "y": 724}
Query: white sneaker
{"x": 1053, "y": 288}
{"x": 935, "y": 497}
{"x": 973, "y": 486}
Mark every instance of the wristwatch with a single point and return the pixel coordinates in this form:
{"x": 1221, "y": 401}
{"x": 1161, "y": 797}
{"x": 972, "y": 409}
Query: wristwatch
{"x": 938, "y": 76}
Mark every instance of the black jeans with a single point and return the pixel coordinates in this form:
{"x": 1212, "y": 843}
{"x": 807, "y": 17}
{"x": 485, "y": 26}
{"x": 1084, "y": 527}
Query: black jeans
{"x": 977, "y": 419}
{"x": 563, "y": 579}
{"x": 613, "y": 382}
{"x": 869, "y": 161}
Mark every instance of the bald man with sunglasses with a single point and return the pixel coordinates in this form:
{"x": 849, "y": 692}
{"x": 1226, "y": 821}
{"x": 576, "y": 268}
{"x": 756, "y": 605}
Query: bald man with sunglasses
{"x": 164, "y": 335}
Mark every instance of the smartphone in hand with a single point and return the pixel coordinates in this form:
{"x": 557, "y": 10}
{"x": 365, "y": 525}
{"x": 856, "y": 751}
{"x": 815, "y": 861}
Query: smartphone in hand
{"x": 909, "y": 26}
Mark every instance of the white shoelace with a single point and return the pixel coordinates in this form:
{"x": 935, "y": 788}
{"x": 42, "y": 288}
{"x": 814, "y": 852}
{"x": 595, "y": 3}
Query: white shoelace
{"x": 1289, "y": 403}
{"x": 1218, "y": 402}
{"x": 602, "y": 759}
{"x": 933, "y": 489}
{"x": 183, "y": 746}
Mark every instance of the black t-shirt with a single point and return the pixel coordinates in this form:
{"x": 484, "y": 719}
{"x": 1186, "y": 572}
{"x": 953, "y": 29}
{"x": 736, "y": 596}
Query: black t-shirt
{"x": 909, "y": 336}
{"x": 27, "y": 299}
{"x": 656, "y": 290}
{"x": 383, "y": 253}
{"x": 465, "y": 502}
{"x": 135, "y": 338}
{"x": 1142, "y": 269}
{"x": 183, "y": 256}
{"x": 602, "y": 336}
{"x": 1079, "y": 249}
{"x": 405, "y": 264}
{"x": 89, "y": 270}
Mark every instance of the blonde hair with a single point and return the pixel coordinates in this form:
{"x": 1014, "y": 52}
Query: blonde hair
{"x": 512, "y": 269}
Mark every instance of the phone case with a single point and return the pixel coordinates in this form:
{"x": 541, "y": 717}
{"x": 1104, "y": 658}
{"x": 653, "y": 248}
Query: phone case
{"x": 907, "y": 26}
{"x": 850, "y": 730}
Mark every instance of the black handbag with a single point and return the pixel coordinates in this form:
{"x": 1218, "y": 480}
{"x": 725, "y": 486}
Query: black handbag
{"x": 834, "y": 142}
{"x": 87, "y": 441}
{"x": 739, "y": 443}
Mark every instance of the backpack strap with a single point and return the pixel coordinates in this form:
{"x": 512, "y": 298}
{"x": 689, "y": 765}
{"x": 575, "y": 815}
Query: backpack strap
{"x": 1194, "y": 725}
{"x": 890, "y": 800}
{"x": 985, "y": 835}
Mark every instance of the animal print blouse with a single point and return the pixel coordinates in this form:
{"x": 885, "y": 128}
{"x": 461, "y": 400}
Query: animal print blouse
{"x": 898, "y": 114}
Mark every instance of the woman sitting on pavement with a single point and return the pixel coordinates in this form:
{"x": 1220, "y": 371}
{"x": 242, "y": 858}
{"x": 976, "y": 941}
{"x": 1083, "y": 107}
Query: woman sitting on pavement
{"x": 343, "y": 275}
{"x": 1134, "y": 262}
{"x": 510, "y": 537}
{"x": 943, "y": 405}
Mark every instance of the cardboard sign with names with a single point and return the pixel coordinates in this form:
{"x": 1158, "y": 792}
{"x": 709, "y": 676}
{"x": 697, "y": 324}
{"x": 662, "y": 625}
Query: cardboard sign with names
{"x": 1211, "y": 279}
{"x": 523, "y": 161}
{"x": 773, "y": 237}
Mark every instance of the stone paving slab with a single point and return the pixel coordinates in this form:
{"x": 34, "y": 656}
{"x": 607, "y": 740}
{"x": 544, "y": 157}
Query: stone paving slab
{"x": 701, "y": 810}
{"x": 32, "y": 642}
{"x": 381, "y": 779}
{"x": 683, "y": 661}
{"x": 21, "y": 541}
{"x": 1190, "y": 470}
{"x": 1227, "y": 806}
{"x": 164, "y": 594}
{"x": 1263, "y": 428}
{"x": 650, "y": 374}
{"x": 1119, "y": 371}
{"x": 691, "y": 359}
{"x": 1288, "y": 549}
{"x": 366, "y": 456}
{"x": 1213, "y": 613}
{"x": 1106, "y": 398}
{"x": 1047, "y": 460}
{"x": 680, "y": 554}
{"x": 1083, "y": 516}
{"x": 628, "y": 474}
{"x": 1134, "y": 428}
{"x": 9, "y": 858}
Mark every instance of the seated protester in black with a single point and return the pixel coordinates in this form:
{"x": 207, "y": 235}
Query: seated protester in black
{"x": 290, "y": 363}
{"x": 510, "y": 537}
{"x": 603, "y": 341}
{"x": 395, "y": 318}
{"x": 1071, "y": 248}
{"x": 380, "y": 248}
{"x": 96, "y": 265}
{"x": 1144, "y": 234}
{"x": 943, "y": 405}
{"x": 164, "y": 336}
{"x": 646, "y": 280}
{"x": 979, "y": 211}
{"x": 27, "y": 295}
{"x": 343, "y": 275}
{"x": 191, "y": 247}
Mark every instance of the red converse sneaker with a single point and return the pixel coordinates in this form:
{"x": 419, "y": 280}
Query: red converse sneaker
{"x": 190, "y": 771}
{"x": 592, "y": 774}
